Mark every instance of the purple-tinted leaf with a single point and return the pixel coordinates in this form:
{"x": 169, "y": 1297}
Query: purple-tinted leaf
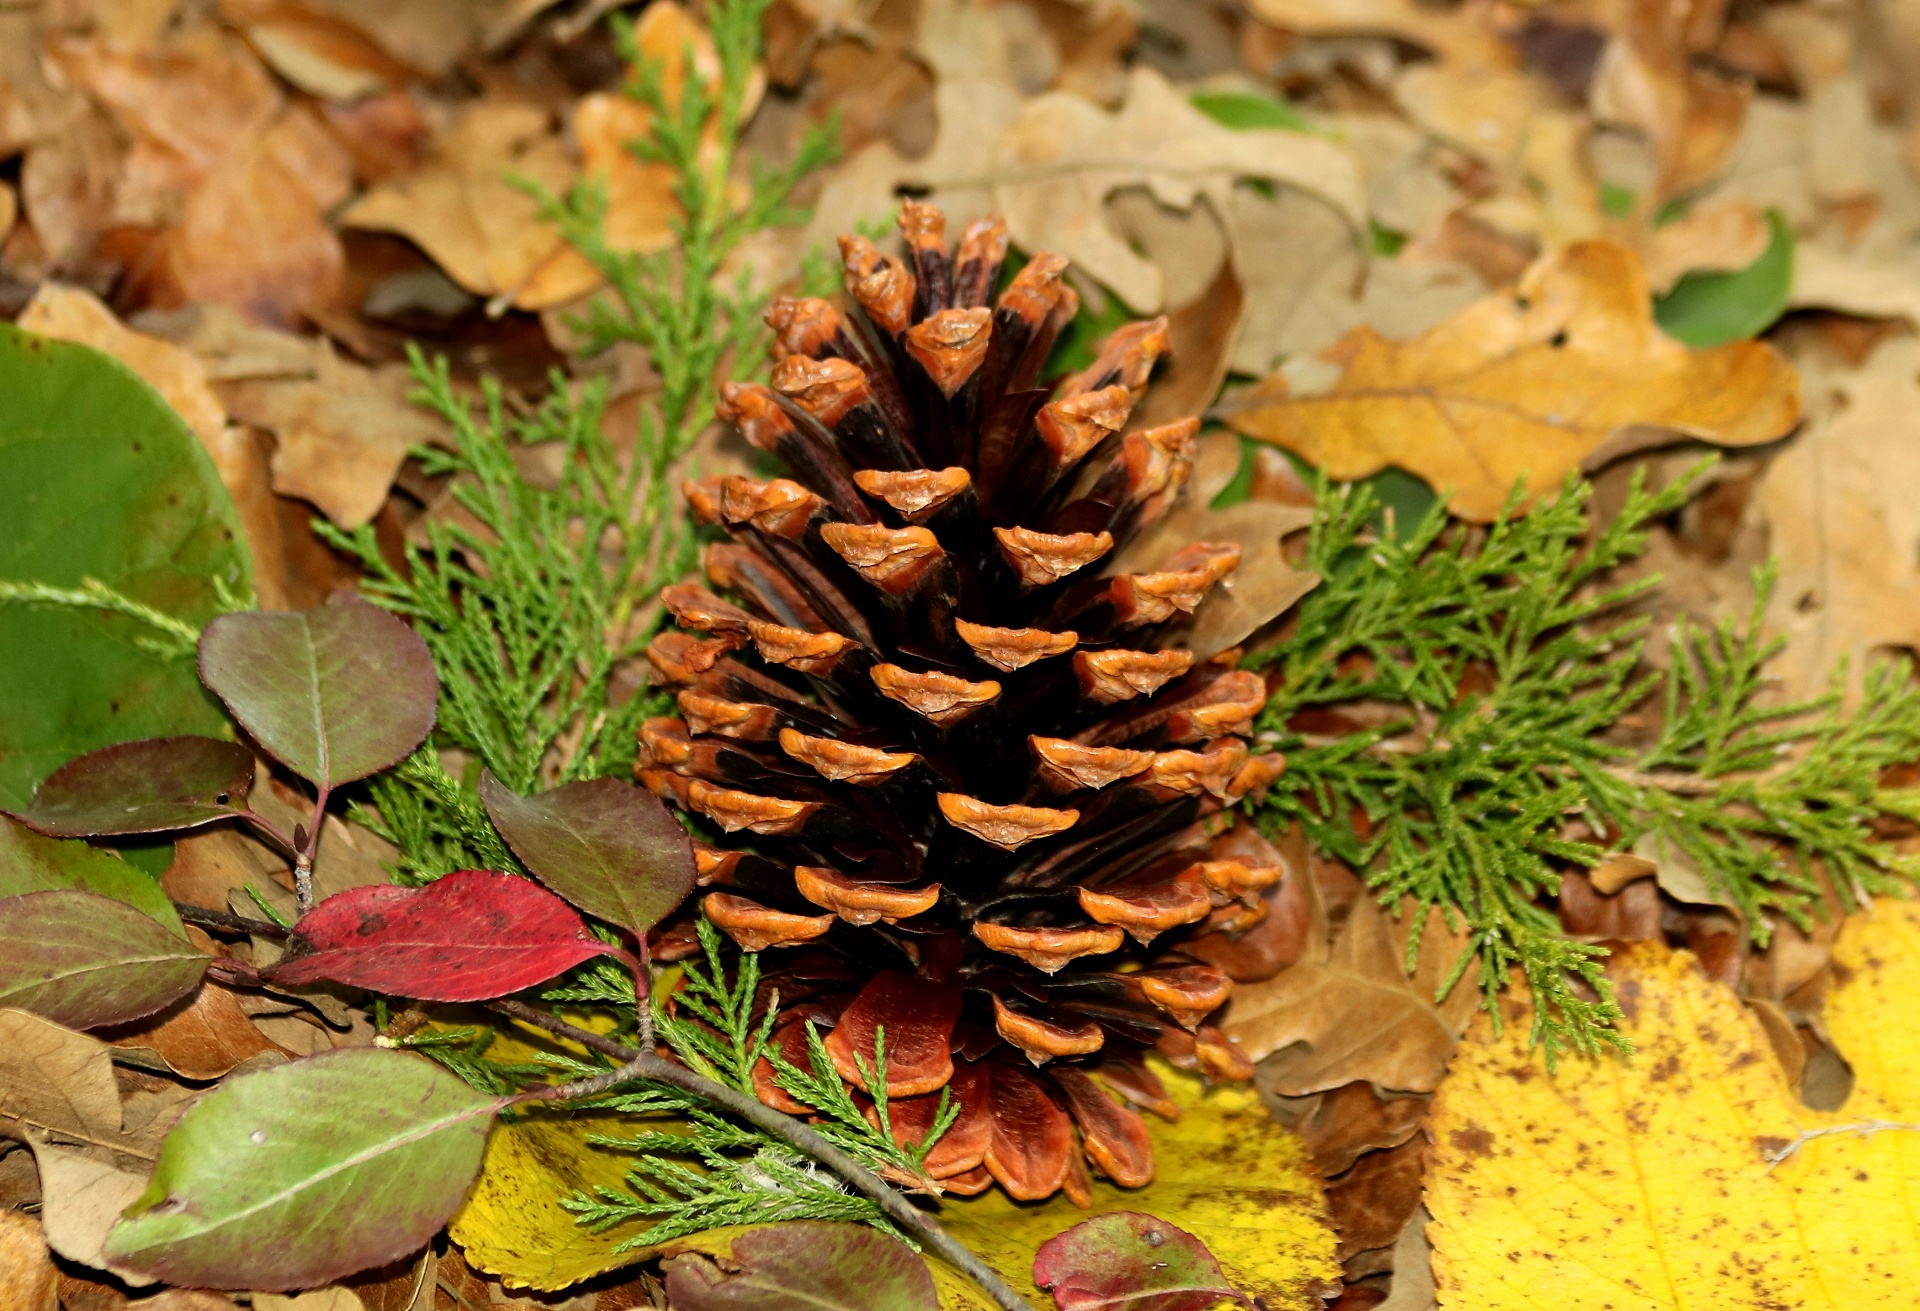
{"x": 84, "y": 960}
{"x": 806, "y": 1265}
{"x": 334, "y": 693}
{"x": 31, "y": 863}
{"x": 152, "y": 786}
{"x": 608, "y": 847}
{"x": 471, "y": 936}
{"x": 1132, "y": 1261}
{"x": 299, "y": 1175}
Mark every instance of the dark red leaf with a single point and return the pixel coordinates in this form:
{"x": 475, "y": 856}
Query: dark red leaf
{"x": 473, "y": 935}
{"x": 152, "y": 786}
{"x": 806, "y": 1265}
{"x": 1133, "y": 1260}
{"x": 610, "y": 848}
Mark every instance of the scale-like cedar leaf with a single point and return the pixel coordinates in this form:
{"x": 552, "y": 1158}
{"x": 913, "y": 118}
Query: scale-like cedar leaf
{"x": 334, "y": 693}
{"x": 295, "y": 1176}
{"x": 1133, "y": 1260}
{"x": 608, "y": 847}
{"x": 151, "y": 786}
{"x": 470, "y": 936}
{"x": 84, "y": 960}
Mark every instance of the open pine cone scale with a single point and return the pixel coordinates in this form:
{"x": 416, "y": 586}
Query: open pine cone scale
{"x": 975, "y": 787}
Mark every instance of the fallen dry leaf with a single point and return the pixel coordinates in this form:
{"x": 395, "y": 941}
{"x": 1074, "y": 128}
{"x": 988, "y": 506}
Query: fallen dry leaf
{"x": 1715, "y": 236}
{"x": 461, "y": 209}
{"x": 1063, "y": 156}
{"x": 318, "y": 52}
{"x": 27, "y": 1272}
{"x": 1521, "y": 388}
{"x": 1655, "y": 1181}
{"x": 318, "y": 1299}
{"x": 1842, "y": 507}
{"x": 53, "y": 1080}
{"x": 1349, "y": 1011}
{"x": 1260, "y": 590}
{"x": 342, "y": 429}
{"x": 80, "y": 1198}
{"x": 1647, "y": 80}
{"x": 203, "y": 1037}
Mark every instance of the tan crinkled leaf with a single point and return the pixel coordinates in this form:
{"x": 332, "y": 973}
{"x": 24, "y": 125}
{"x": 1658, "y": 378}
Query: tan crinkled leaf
{"x": 1349, "y": 1010}
{"x": 54, "y": 1080}
{"x": 1227, "y": 1172}
{"x": 1524, "y": 387}
{"x": 80, "y": 1198}
{"x": 461, "y": 209}
{"x": 76, "y": 314}
{"x": 1651, "y": 1183}
{"x": 1063, "y": 156}
{"x": 1842, "y": 505}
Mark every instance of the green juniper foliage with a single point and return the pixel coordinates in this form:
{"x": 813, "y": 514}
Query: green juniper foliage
{"x": 1508, "y": 671}
{"x": 745, "y": 1176}
{"x": 534, "y": 615}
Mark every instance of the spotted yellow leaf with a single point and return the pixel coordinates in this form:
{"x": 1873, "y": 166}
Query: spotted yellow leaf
{"x": 1226, "y": 1172}
{"x": 1689, "y": 1175}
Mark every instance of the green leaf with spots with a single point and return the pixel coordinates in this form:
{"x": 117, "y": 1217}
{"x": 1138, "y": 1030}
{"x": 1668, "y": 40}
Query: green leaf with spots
{"x": 299, "y": 1175}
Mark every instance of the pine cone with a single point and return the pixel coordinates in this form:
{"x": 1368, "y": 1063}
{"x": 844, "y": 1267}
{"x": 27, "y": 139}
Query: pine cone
{"x": 980, "y": 797}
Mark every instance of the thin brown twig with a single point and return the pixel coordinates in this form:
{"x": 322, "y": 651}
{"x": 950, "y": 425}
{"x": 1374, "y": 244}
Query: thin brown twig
{"x": 208, "y": 918}
{"x": 636, "y": 1064}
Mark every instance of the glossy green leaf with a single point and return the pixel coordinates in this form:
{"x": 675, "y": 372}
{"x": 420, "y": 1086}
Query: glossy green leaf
{"x": 1711, "y": 309}
{"x": 84, "y": 960}
{"x": 299, "y": 1175}
{"x": 804, "y": 1266}
{"x": 608, "y": 847}
{"x": 1241, "y": 110}
{"x": 334, "y": 693}
{"x": 152, "y": 786}
{"x": 100, "y": 479}
{"x": 32, "y": 863}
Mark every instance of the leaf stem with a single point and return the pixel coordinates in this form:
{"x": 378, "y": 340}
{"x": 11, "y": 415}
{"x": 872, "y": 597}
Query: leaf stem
{"x": 271, "y": 829}
{"x": 303, "y": 856}
{"x": 638, "y": 1064}
{"x": 208, "y": 918}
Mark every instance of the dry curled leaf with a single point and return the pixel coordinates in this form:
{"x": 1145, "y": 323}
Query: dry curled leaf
{"x": 1842, "y": 506}
{"x": 1522, "y": 388}
{"x": 1687, "y": 1174}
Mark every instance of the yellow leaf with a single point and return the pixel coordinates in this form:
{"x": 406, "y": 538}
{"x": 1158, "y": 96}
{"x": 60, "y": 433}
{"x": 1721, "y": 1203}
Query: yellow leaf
{"x": 1524, "y": 387}
{"x": 1226, "y": 1172}
{"x": 512, "y": 1224}
{"x": 1650, "y": 1183}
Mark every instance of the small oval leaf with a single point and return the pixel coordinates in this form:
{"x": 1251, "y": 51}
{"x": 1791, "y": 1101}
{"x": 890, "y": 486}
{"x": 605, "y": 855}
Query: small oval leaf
{"x": 805, "y": 1265}
{"x": 31, "y": 863}
{"x": 299, "y": 1175}
{"x": 84, "y": 960}
{"x": 473, "y": 935}
{"x": 1131, "y": 1259}
{"x": 334, "y": 693}
{"x": 608, "y": 847}
{"x": 151, "y": 786}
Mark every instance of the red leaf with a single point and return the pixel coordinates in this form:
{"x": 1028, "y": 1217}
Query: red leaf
{"x": 473, "y": 935}
{"x": 1133, "y": 1260}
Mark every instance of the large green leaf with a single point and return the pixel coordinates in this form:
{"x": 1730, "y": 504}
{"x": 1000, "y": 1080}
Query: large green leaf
{"x": 100, "y": 479}
{"x": 296, "y": 1176}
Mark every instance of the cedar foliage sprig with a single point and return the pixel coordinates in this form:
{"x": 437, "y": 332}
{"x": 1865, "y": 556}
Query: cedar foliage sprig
{"x": 533, "y": 615}
{"x": 715, "y": 1028}
{"x": 1508, "y": 654}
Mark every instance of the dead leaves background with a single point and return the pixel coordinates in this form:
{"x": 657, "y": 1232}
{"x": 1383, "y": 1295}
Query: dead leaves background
{"x": 1440, "y": 258}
